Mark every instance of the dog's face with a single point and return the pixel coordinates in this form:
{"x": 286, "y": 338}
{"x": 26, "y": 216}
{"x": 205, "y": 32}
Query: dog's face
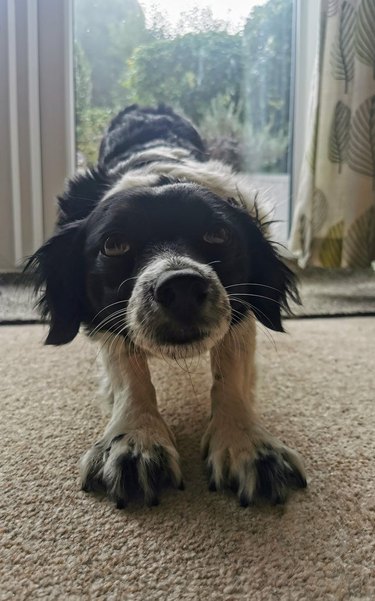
{"x": 170, "y": 268}
{"x": 163, "y": 266}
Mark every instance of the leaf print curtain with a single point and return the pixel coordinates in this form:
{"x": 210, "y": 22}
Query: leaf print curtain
{"x": 334, "y": 221}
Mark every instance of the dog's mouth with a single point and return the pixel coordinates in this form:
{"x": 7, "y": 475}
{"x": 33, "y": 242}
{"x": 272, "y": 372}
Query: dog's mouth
{"x": 180, "y": 336}
{"x": 168, "y": 340}
{"x": 178, "y": 309}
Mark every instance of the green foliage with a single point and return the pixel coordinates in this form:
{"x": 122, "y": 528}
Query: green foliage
{"x": 267, "y": 48}
{"x": 106, "y": 34}
{"x": 82, "y": 83}
{"x": 89, "y": 132}
{"x": 264, "y": 149}
{"x": 190, "y": 71}
{"x": 108, "y": 31}
{"x": 193, "y": 20}
{"x": 260, "y": 149}
{"x": 222, "y": 118}
{"x": 86, "y": 117}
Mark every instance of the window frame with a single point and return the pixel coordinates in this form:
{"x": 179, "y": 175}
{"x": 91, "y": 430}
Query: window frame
{"x": 307, "y": 23}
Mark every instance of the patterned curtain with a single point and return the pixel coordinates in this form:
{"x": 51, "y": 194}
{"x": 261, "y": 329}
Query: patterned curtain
{"x": 334, "y": 222}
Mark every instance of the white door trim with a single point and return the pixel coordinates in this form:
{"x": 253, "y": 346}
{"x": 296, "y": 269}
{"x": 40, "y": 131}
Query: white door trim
{"x": 14, "y": 133}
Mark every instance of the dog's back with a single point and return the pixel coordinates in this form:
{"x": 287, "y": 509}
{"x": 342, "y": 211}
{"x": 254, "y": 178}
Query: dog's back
{"x": 138, "y": 130}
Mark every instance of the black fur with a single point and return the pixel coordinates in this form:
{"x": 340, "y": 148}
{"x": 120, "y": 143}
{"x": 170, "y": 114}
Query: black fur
{"x": 60, "y": 272}
{"x": 82, "y": 194}
{"x": 274, "y": 283}
{"x": 136, "y": 128}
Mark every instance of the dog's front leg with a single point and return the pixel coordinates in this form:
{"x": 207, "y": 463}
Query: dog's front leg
{"x": 136, "y": 454}
{"x": 239, "y": 452}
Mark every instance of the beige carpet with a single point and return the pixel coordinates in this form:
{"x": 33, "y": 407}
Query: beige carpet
{"x": 317, "y": 393}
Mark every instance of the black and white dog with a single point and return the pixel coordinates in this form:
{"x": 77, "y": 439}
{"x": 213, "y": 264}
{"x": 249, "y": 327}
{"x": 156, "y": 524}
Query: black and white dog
{"x": 160, "y": 251}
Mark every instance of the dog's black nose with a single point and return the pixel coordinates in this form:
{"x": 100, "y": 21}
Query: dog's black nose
{"x": 182, "y": 292}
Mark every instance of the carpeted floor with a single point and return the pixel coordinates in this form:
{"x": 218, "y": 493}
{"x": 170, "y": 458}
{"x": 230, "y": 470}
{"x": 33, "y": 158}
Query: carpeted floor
{"x": 316, "y": 391}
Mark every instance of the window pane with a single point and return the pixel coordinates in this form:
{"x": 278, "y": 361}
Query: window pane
{"x": 224, "y": 64}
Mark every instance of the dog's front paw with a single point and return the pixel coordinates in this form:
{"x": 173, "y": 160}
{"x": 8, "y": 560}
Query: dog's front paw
{"x": 131, "y": 466}
{"x": 251, "y": 462}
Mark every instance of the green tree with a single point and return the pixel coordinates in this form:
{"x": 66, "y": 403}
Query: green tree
{"x": 267, "y": 41}
{"x": 108, "y": 32}
{"x": 82, "y": 81}
{"x": 83, "y": 92}
{"x": 190, "y": 71}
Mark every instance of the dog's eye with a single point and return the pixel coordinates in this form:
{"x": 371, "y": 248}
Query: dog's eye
{"x": 113, "y": 247}
{"x": 217, "y": 236}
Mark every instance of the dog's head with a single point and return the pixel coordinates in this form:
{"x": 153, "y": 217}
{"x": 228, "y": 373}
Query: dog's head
{"x": 169, "y": 267}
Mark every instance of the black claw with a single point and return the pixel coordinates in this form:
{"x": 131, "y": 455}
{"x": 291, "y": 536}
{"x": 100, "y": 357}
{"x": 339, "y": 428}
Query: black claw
{"x": 271, "y": 478}
{"x": 155, "y": 475}
{"x": 299, "y": 480}
{"x": 212, "y": 486}
{"x": 233, "y": 485}
{"x": 128, "y": 484}
{"x": 295, "y": 479}
{"x": 279, "y": 499}
{"x": 244, "y": 500}
{"x": 153, "y": 502}
{"x": 181, "y": 486}
{"x": 93, "y": 484}
{"x": 121, "y": 504}
{"x": 116, "y": 438}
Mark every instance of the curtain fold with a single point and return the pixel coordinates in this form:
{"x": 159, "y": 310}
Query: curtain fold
{"x": 334, "y": 221}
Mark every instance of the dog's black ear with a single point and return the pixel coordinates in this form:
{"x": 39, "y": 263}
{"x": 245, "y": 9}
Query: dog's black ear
{"x": 58, "y": 264}
{"x": 82, "y": 194}
{"x": 273, "y": 283}
{"x": 59, "y": 269}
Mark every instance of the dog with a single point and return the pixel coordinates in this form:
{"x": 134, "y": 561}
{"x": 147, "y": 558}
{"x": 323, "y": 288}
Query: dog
{"x": 159, "y": 250}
